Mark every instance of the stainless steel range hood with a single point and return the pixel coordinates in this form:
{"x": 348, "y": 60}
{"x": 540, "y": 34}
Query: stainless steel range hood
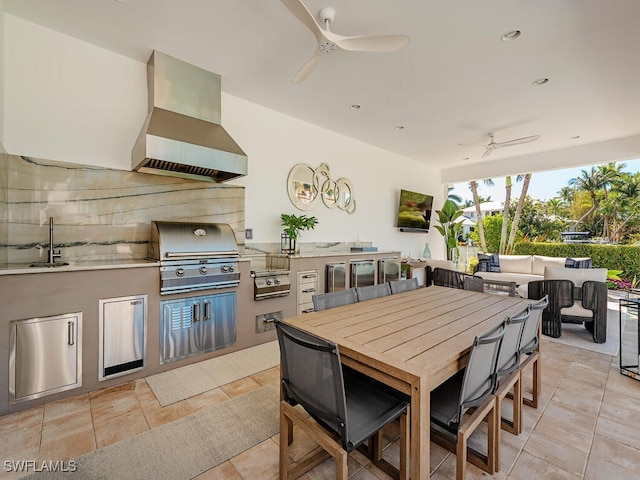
{"x": 182, "y": 135}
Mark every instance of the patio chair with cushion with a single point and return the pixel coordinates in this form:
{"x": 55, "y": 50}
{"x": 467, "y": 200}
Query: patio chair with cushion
{"x": 508, "y": 374}
{"x": 529, "y": 348}
{"x": 373, "y": 291}
{"x": 323, "y": 301}
{"x": 472, "y": 388}
{"x": 343, "y": 409}
{"x": 399, "y": 286}
{"x": 575, "y": 296}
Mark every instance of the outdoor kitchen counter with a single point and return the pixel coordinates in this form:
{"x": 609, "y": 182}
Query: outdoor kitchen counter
{"x": 74, "y": 266}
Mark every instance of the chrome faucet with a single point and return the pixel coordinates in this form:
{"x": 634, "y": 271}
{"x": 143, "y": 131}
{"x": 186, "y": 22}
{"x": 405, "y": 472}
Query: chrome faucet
{"x": 52, "y": 254}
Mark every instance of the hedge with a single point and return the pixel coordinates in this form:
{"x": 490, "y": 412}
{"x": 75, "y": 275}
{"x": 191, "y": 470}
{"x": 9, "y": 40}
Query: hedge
{"x": 612, "y": 257}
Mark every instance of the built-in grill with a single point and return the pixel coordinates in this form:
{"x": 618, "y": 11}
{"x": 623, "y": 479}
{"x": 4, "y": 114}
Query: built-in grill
{"x": 194, "y": 256}
{"x": 270, "y": 284}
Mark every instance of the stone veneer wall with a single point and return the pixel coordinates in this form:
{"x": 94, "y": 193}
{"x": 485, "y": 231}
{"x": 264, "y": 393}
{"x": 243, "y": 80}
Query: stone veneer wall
{"x": 100, "y": 213}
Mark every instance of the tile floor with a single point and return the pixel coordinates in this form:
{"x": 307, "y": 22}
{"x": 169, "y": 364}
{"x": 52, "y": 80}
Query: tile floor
{"x": 586, "y": 427}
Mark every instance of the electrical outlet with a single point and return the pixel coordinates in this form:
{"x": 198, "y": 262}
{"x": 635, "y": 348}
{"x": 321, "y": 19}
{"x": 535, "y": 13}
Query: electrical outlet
{"x": 248, "y": 233}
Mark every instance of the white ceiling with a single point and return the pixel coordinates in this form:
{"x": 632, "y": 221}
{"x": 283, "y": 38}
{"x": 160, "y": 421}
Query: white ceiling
{"x": 454, "y": 83}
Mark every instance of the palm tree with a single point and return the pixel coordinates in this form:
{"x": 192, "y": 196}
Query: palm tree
{"x": 590, "y": 182}
{"x": 453, "y": 197}
{"x": 473, "y": 185}
{"x": 554, "y": 205}
{"x": 608, "y": 173}
{"x": 505, "y": 213}
{"x": 516, "y": 216}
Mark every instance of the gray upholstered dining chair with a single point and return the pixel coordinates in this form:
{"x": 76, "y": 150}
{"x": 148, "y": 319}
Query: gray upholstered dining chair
{"x": 472, "y": 387}
{"x": 323, "y": 301}
{"x": 345, "y": 408}
{"x": 508, "y": 373}
{"x": 399, "y": 286}
{"x": 373, "y": 291}
{"x": 529, "y": 348}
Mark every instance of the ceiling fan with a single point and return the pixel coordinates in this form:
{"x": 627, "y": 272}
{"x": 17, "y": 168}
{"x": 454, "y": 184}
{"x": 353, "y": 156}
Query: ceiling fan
{"x": 329, "y": 42}
{"x": 491, "y": 146}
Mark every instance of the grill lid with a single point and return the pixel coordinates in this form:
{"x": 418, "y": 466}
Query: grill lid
{"x": 186, "y": 240}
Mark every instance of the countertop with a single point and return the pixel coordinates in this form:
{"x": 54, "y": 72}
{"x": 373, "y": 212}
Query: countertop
{"x": 335, "y": 254}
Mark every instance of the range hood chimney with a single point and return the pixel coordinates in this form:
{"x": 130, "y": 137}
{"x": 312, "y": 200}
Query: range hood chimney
{"x": 182, "y": 135}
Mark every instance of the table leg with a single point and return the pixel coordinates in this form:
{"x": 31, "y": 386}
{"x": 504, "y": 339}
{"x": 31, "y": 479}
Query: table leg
{"x": 420, "y": 430}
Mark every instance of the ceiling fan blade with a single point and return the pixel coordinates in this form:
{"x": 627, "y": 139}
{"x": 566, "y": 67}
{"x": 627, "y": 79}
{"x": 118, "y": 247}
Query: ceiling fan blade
{"x": 487, "y": 152}
{"x": 517, "y": 141}
{"x": 372, "y": 43}
{"x": 302, "y": 13}
{"x": 306, "y": 69}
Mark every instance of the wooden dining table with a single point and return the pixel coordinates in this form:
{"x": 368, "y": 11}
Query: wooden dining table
{"x": 412, "y": 341}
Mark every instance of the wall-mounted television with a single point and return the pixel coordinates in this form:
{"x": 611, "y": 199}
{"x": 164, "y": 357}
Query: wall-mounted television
{"x": 414, "y": 211}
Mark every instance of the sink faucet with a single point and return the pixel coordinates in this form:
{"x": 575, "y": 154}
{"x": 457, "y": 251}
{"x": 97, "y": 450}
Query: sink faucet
{"x": 52, "y": 253}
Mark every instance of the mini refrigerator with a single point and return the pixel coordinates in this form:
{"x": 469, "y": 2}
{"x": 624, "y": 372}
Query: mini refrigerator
{"x": 335, "y": 277}
{"x": 363, "y": 273}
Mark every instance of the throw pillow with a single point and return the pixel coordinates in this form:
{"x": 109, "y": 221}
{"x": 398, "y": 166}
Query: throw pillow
{"x": 489, "y": 263}
{"x": 577, "y": 263}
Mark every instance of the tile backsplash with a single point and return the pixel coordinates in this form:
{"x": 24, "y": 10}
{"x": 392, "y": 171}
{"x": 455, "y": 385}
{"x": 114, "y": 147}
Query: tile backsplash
{"x": 100, "y": 213}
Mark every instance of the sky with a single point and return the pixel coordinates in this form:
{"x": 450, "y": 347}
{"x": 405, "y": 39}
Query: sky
{"x": 543, "y": 185}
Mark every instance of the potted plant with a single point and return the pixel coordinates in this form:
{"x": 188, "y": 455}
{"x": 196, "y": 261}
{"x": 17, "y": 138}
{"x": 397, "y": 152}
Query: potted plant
{"x": 293, "y": 225}
{"x": 449, "y": 228}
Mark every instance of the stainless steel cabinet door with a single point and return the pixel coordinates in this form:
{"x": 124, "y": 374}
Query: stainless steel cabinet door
{"x": 45, "y": 357}
{"x": 219, "y": 321}
{"x": 179, "y": 332}
{"x": 388, "y": 270}
{"x": 336, "y": 277}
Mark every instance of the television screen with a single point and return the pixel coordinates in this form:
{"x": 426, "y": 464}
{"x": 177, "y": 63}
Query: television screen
{"x": 414, "y": 211}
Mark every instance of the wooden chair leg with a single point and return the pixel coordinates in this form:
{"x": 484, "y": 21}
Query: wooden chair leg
{"x": 405, "y": 421}
{"x": 537, "y": 380}
{"x": 286, "y": 426}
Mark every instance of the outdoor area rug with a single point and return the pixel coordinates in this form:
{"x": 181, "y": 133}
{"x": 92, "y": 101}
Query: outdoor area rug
{"x": 186, "y": 447}
{"x": 184, "y": 382}
{"x": 576, "y": 335}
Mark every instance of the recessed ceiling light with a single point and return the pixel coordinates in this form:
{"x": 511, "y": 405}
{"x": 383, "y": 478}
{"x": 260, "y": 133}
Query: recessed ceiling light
{"x": 510, "y": 35}
{"x": 575, "y": 137}
{"x": 355, "y": 106}
{"x": 540, "y": 81}
{"x": 465, "y": 158}
{"x": 400, "y": 127}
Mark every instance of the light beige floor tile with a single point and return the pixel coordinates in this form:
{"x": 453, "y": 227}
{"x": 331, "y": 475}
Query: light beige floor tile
{"x": 61, "y": 427}
{"x": 68, "y": 447}
{"x": 607, "y": 450}
{"x": 530, "y": 467}
{"x": 621, "y": 408}
{"x": 157, "y": 416}
{"x": 268, "y": 377}
{"x": 574, "y": 426}
{"x": 20, "y": 443}
{"x": 619, "y": 432}
{"x": 240, "y": 387}
{"x": 121, "y": 427}
{"x": 259, "y": 462}
{"x": 66, "y": 407}
{"x": 25, "y": 418}
{"x": 556, "y": 451}
{"x": 224, "y": 471}
{"x": 207, "y": 399}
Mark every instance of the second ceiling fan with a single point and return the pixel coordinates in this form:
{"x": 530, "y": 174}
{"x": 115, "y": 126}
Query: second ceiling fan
{"x": 329, "y": 42}
{"x": 491, "y": 146}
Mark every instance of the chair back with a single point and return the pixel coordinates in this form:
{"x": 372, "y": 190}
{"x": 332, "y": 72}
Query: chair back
{"x": 312, "y": 376}
{"x": 323, "y": 301}
{"x": 479, "y": 376}
{"x": 530, "y": 340}
{"x": 443, "y": 277}
{"x": 373, "y": 291}
{"x": 475, "y": 284}
{"x": 400, "y": 286}
{"x": 509, "y": 357}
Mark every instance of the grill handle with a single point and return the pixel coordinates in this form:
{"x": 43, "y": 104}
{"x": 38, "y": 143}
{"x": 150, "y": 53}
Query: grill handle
{"x": 200, "y": 254}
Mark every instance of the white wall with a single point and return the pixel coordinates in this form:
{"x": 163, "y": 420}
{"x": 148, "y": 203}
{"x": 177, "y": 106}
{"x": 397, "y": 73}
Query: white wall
{"x": 71, "y": 101}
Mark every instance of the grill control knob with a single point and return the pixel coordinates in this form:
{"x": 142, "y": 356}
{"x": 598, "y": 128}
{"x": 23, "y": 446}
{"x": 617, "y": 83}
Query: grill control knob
{"x": 230, "y": 268}
{"x": 203, "y": 270}
{"x": 276, "y": 281}
{"x": 225, "y": 268}
{"x": 180, "y": 272}
{"x": 268, "y": 281}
